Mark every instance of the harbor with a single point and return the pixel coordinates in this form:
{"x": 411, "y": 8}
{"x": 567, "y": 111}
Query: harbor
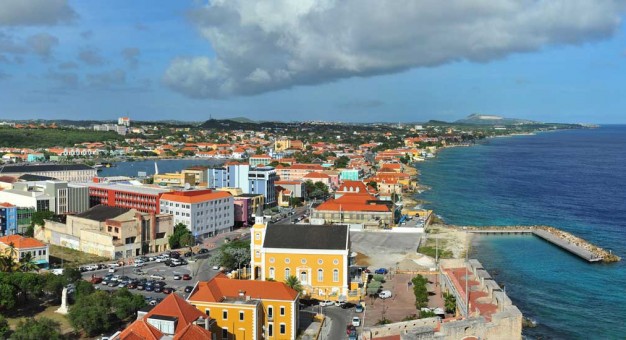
{"x": 564, "y": 240}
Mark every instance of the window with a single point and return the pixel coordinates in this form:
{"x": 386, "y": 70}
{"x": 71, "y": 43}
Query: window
{"x": 303, "y": 277}
{"x": 270, "y": 311}
{"x": 287, "y": 273}
{"x": 241, "y": 316}
{"x": 207, "y": 312}
{"x": 225, "y": 314}
{"x": 320, "y": 275}
{"x": 303, "y": 261}
{"x": 282, "y": 310}
{"x": 287, "y": 260}
{"x": 257, "y": 236}
{"x": 257, "y": 253}
{"x": 271, "y": 275}
{"x": 283, "y": 328}
{"x": 335, "y": 261}
{"x": 335, "y": 275}
{"x": 270, "y": 329}
{"x": 224, "y": 333}
{"x": 320, "y": 261}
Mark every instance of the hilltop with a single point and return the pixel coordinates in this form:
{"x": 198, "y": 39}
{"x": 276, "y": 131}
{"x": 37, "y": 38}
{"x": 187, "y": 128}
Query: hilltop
{"x": 482, "y": 119}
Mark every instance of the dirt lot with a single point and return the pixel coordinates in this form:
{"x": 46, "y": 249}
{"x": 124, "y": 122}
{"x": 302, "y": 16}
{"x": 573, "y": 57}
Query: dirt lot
{"x": 389, "y": 250}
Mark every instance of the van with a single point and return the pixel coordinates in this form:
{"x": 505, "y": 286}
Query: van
{"x": 385, "y": 294}
{"x": 57, "y": 271}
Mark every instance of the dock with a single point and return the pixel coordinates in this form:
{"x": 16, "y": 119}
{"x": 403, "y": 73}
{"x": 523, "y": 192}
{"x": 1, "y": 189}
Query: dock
{"x": 557, "y": 237}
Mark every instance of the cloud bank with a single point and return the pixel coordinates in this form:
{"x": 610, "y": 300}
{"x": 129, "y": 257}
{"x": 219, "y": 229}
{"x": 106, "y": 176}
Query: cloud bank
{"x": 35, "y": 12}
{"x": 267, "y": 46}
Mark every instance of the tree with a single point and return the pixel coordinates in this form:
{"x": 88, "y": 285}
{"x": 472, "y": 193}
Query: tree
{"x": 4, "y": 327}
{"x": 342, "y": 162}
{"x": 174, "y": 239}
{"x": 90, "y": 313}
{"x": 39, "y": 217}
{"x": 186, "y": 240}
{"x": 421, "y": 291}
{"x": 40, "y": 328}
{"x": 293, "y": 282}
{"x": 83, "y": 288}
{"x": 125, "y": 304}
{"x": 450, "y": 302}
{"x": 373, "y": 184}
{"x": 232, "y": 255}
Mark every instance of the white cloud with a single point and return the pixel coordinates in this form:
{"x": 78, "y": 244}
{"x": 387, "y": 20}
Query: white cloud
{"x": 267, "y": 46}
{"x": 34, "y": 12}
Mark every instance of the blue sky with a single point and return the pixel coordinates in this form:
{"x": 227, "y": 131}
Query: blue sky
{"x": 397, "y": 61}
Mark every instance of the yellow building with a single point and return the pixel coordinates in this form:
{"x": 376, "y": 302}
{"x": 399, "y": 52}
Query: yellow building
{"x": 175, "y": 179}
{"x": 244, "y": 309}
{"x": 318, "y": 255}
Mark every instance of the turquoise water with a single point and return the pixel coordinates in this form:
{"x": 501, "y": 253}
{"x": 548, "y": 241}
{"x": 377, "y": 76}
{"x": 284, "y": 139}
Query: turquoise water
{"x": 574, "y": 180}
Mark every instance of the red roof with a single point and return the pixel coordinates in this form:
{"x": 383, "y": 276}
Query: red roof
{"x": 21, "y": 242}
{"x": 352, "y": 186}
{"x": 193, "y": 332}
{"x": 195, "y": 196}
{"x": 221, "y": 287}
{"x": 141, "y": 330}
{"x": 353, "y": 202}
{"x": 175, "y": 306}
{"x": 316, "y": 175}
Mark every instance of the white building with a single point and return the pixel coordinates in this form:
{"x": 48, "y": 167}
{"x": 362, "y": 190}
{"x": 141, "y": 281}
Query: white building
{"x": 206, "y": 213}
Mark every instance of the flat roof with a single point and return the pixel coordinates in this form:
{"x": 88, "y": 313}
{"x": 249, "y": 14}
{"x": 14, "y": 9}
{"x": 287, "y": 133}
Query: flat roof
{"x": 130, "y": 188}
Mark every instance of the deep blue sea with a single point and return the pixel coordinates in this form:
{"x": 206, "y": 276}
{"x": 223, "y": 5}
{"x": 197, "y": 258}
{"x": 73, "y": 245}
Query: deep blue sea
{"x": 574, "y": 180}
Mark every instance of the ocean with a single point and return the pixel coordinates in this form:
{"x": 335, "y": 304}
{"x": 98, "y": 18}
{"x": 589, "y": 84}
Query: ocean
{"x": 574, "y": 180}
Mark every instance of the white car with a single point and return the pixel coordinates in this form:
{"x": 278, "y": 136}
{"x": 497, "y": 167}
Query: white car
{"x": 385, "y": 294}
{"x": 161, "y": 258}
{"x": 139, "y": 264}
{"x": 112, "y": 270}
{"x": 216, "y": 267}
{"x": 356, "y": 321}
{"x": 326, "y": 303}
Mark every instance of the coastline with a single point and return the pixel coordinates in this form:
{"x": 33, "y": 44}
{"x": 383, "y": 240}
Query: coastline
{"x": 459, "y": 240}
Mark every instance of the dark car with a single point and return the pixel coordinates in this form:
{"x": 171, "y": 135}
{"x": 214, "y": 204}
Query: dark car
{"x": 174, "y": 255}
{"x": 131, "y": 285}
{"x": 350, "y": 329}
{"x": 141, "y": 286}
{"x": 157, "y": 289}
{"x": 149, "y": 288}
{"x": 188, "y": 289}
{"x": 203, "y": 251}
{"x": 168, "y": 290}
{"x": 186, "y": 277}
{"x": 188, "y": 254}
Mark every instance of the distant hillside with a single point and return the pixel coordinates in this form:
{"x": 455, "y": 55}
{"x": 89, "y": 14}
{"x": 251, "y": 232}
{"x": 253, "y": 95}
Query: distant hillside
{"x": 481, "y": 119}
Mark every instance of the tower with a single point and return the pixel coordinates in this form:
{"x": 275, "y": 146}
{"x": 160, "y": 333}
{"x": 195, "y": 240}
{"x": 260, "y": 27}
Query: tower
{"x": 256, "y": 245}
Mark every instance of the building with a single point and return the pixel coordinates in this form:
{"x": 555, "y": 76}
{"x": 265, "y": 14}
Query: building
{"x": 285, "y": 144}
{"x": 355, "y": 209}
{"x": 171, "y": 319}
{"x": 26, "y": 246}
{"x": 296, "y": 172}
{"x": 206, "y": 213}
{"x": 230, "y": 175}
{"x": 318, "y": 255}
{"x": 63, "y": 172}
{"x": 199, "y": 173}
{"x": 119, "y": 129}
{"x": 123, "y": 121}
{"x": 8, "y": 219}
{"x": 296, "y": 187}
{"x": 140, "y": 197}
{"x": 244, "y": 309}
{"x": 179, "y": 179}
{"x": 111, "y": 232}
{"x": 53, "y": 195}
{"x": 259, "y": 160}
{"x": 262, "y": 180}
{"x": 350, "y": 174}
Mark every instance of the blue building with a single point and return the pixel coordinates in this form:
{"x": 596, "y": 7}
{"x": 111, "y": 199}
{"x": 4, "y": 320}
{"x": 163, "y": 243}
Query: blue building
{"x": 231, "y": 175}
{"x": 262, "y": 181}
{"x": 349, "y": 175}
{"x": 8, "y": 219}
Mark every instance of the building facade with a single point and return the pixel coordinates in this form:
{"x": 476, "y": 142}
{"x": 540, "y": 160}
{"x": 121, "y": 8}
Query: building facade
{"x": 26, "y": 246}
{"x": 142, "y": 198}
{"x": 318, "y": 255}
{"x": 63, "y": 172}
{"x": 205, "y": 213}
{"x": 8, "y": 219}
{"x": 262, "y": 180}
{"x": 244, "y": 309}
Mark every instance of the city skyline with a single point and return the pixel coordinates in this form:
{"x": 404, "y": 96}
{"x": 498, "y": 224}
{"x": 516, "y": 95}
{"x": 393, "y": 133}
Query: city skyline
{"x": 349, "y": 61}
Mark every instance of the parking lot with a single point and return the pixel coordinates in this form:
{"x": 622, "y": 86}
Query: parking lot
{"x": 160, "y": 274}
{"x": 383, "y": 249}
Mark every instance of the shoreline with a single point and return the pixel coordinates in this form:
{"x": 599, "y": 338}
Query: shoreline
{"x": 462, "y": 240}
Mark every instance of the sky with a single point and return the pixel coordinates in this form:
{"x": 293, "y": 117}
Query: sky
{"x": 331, "y": 60}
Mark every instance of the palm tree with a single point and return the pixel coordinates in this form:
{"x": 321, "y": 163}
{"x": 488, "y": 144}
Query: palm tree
{"x": 7, "y": 264}
{"x": 293, "y": 282}
{"x": 26, "y": 263}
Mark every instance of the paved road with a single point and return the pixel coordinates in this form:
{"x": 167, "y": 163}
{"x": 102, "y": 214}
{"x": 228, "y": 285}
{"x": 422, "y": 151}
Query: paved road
{"x": 336, "y": 321}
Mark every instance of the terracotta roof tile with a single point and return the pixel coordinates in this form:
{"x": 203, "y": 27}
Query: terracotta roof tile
{"x": 193, "y": 332}
{"x": 221, "y": 287}
{"x": 141, "y": 330}
{"x": 175, "y": 306}
{"x": 196, "y": 196}
{"x": 21, "y": 242}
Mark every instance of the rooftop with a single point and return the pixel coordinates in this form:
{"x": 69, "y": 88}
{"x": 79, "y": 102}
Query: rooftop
{"x": 102, "y": 213}
{"x": 21, "y": 242}
{"x": 221, "y": 288}
{"x": 43, "y": 167}
{"x": 175, "y": 306}
{"x": 195, "y": 196}
{"x": 139, "y": 189}
{"x": 299, "y": 236}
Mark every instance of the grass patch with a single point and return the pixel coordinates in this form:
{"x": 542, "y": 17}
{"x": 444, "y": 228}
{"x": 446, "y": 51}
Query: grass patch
{"x": 430, "y": 248}
{"x": 48, "y": 312}
{"x": 68, "y": 257}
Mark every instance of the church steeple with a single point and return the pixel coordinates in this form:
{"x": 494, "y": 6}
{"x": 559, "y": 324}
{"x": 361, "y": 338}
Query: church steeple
{"x": 258, "y": 218}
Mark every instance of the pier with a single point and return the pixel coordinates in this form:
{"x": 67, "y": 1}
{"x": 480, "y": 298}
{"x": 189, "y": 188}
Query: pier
{"x": 557, "y": 237}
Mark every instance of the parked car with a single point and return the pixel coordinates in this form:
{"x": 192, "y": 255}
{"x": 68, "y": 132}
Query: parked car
{"x": 216, "y": 268}
{"x": 186, "y": 277}
{"x": 168, "y": 290}
{"x": 139, "y": 263}
{"x": 112, "y": 270}
{"x": 157, "y": 277}
{"x": 381, "y": 271}
{"x": 188, "y": 289}
{"x": 96, "y": 279}
{"x": 385, "y": 294}
{"x": 188, "y": 254}
{"x": 356, "y": 321}
{"x": 350, "y": 328}
{"x": 177, "y": 277}
{"x": 141, "y": 286}
{"x": 157, "y": 289}
{"x": 131, "y": 285}
{"x": 358, "y": 308}
{"x": 203, "y": 251}
{"x": 149, "y": 288}
{"x": 326, "y": 303}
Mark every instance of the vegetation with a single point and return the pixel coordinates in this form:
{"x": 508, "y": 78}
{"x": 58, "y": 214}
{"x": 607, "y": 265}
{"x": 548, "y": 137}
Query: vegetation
{"x": 421, "y": 292}
{"x": 315, "y": 190}
{"x": 232, "y": 255}
{"x": 430, "y": 248}
{"x": 450, "y": 303}
{"x": 9, "y": 264}
{"x": 293, "y": 282}
{"x": 42, "y": 138}
{"x": 4, "y": 327}
{"x": 98, "y": 311}
{"x": 373, "y": 288}
{"x": 181, "y": 237}
{"x": 342, "y": 162}
{"x": 383, "y": 321}
{"x": 70, "y": 258}
{"x": 40, "y": 328}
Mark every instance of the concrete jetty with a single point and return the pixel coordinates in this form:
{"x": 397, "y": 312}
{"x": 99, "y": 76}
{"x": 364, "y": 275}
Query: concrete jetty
{"x": 566, "y": 241}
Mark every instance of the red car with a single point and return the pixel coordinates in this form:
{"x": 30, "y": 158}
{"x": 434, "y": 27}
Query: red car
{"x": 186, "y": 277}
{"x": 350, "y": 329}
{"x": 96, "y": 279}
{"x": 167, "y": 290}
